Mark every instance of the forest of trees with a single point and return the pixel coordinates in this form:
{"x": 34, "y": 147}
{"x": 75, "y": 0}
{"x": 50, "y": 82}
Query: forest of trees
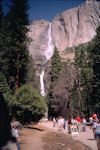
{"x": 17, "y": 83}
{"x": 74, "y": 86}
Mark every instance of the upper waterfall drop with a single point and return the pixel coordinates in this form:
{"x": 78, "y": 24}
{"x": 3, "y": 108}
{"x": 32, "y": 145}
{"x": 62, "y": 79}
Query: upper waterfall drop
{"x": 50, "y": 45}
{"x": 42, "y": 84}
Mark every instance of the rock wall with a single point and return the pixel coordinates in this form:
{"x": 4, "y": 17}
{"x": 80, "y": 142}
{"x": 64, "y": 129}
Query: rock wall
{"x": 38, "y": 37}
{"x": 76, "y": 26}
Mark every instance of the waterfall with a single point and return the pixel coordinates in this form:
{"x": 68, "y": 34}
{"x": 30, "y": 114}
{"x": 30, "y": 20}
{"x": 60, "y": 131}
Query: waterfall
{"x": 50, "y": 46}
{"x": 42, "y": 84}
{"x": 48, "y": 54}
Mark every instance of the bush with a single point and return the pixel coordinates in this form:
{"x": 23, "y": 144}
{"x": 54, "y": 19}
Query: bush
{"x": 28, "y": 104}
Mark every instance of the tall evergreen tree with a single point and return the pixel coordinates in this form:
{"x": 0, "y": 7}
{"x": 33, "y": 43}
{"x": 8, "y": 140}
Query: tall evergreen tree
{"x": 16, "y": 23}
{"x": 95, "y": 58}
{"x": 1, "y": 39}
{"x": 61, "y": 105}
{"x": 55, "y": 66}
{"x": 55, "y": 69}
{"x": 3, "y": 60}
{"x": 31, "y": 77}
{"x": 83, "y": 79}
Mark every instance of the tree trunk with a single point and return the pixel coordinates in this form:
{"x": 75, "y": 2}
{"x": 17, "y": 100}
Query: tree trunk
{"x": 17, "y": 79}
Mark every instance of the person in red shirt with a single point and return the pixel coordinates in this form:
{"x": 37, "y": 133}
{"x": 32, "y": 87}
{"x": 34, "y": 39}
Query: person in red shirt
{"x": 78, "y": 119}
{"x": 94, "y": 116}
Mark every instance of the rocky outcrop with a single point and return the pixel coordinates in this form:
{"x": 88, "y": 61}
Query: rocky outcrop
{"x": 69, "y": 29}
{"x": 38, "y": 37}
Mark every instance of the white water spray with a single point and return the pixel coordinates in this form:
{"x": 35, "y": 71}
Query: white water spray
{"x": 42, "y": 84}
{"x": 50, "y": 46}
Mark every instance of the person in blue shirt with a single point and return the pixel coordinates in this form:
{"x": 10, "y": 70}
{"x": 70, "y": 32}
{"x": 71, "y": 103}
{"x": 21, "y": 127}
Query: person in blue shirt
{"x": 97, "y": 135}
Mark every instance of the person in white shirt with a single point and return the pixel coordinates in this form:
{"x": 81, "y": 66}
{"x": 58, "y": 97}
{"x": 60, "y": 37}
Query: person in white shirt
{"x": 14, "y": 132}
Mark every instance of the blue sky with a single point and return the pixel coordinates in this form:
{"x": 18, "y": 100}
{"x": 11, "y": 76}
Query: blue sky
{"x": 48, "y": 9}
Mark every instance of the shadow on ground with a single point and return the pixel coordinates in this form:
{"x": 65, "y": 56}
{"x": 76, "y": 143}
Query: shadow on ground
{"x": 34, "y": 128}
{"x": 91, "y": 139}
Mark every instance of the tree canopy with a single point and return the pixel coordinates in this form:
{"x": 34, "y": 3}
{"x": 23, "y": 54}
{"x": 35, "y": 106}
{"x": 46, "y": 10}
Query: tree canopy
{"x": 28, "y": 105}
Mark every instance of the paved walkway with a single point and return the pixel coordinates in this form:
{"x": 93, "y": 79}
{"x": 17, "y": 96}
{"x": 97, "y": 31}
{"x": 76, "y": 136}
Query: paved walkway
{"x": 86, "y": 138}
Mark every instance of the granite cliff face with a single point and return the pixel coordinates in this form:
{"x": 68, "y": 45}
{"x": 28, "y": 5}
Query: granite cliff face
{"x": 76, "y": 26}
{"x": 38, "y": 34}
{"x": 70, "y": 28}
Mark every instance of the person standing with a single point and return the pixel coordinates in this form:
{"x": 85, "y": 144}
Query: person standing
{"x": 97, "y": 135}
{"x": 69, "y": 125}
{"x": 64, "y": 124}
{"x": 7, "y": 141}
{"x": 91, "y": 121}
{"x": 54, "y": 122}
{"x": 14, "y": 133}
{"x": 84, "y": 124}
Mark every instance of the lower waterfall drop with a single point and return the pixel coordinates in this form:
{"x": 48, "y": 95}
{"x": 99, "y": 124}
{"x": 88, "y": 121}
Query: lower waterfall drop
{"x": 42, "y": 84}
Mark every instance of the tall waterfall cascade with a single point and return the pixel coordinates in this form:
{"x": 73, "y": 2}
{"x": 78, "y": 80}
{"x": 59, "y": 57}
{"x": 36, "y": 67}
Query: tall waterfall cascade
{"x": 48, "y": 53}
{"x": 50, "y": 46}
{"x": 42, "y": 84}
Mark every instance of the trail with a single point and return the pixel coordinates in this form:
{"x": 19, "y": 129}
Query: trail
{"x": 86, "y": 138}
{"x": 32, "y": 137}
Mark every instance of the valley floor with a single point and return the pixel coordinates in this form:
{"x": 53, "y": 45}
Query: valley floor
{"x": 44, "y": 136}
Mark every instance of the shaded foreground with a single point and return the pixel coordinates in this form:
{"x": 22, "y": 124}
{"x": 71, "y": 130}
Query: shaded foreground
{"x": 42, "y": 138}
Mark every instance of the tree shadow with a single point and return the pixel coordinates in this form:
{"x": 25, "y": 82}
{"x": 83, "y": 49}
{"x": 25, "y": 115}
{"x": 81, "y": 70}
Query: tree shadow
{"x": 34, "y": 128}
{"x": 91, "y": 139}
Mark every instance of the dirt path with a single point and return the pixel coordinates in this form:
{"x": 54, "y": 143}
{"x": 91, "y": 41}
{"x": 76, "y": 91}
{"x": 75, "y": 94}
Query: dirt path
{"x": 31, "y": 138}
{"x": 86, "y": 138}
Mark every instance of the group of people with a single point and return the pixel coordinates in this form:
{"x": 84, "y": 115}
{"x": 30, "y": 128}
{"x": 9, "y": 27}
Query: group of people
{"x": 60, "y": 122}
{"x": 72, "y": 124}
{"x": 75, "y": 124}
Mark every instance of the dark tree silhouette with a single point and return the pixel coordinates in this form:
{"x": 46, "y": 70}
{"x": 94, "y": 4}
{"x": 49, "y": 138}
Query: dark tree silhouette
{"x": 5, "y": 128}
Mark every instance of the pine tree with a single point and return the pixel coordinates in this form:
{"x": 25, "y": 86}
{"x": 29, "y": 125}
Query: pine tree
{"x": 31, "y": 77}
{"x": 3, "y": 61}
{"x": 95, "y": 58}
{"x": 61, "y": 104}
{"x": 55, "y": 69}
{"x": 16, "y": 23}
{"x": 83, "y": 79}
{"x": 55, "y": 66}
{"x": 1, "y": 40}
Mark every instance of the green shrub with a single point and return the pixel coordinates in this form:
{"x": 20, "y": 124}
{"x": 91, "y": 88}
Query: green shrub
{"x": 28, "y": 104}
